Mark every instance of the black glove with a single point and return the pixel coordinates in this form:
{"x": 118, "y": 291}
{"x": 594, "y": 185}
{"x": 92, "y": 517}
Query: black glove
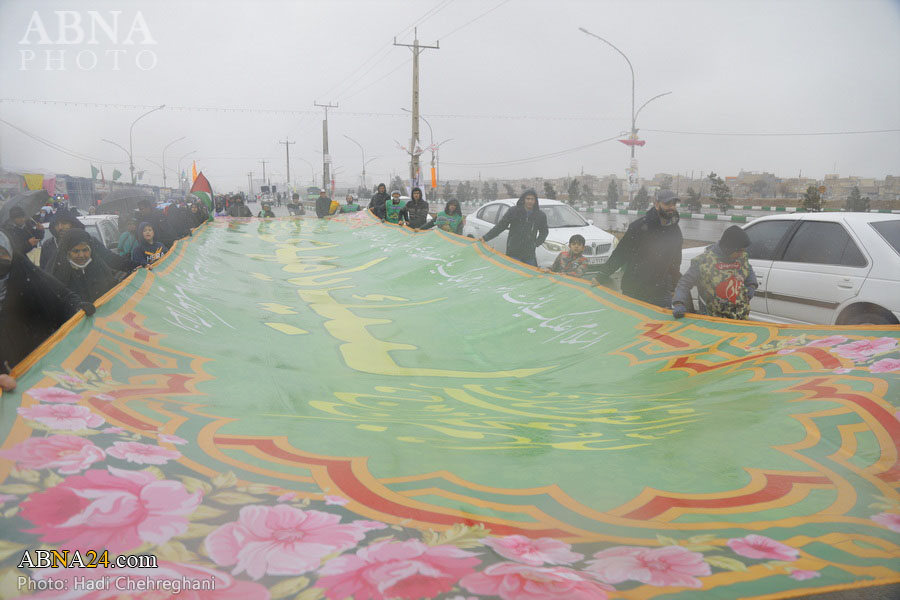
{"x": 602, "y": 279}
{"x": 88, "y": 308}
{"x": 751, "y": 291}
{"x": 678, "y": 310}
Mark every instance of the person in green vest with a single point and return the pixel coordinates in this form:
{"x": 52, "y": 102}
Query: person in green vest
{"x": 450, "y": 219}
{"x": 723, "y": 276}
{"x": 393, "y": 207}
{"x": 351, "y": 205}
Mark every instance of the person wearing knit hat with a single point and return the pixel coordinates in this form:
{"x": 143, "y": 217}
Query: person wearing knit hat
{"x": 393, "y": 208}
{"x": 323, "y": 204}
{"x": 723, "y": 276}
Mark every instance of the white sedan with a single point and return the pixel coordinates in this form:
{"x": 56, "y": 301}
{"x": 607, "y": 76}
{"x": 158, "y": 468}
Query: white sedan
{"x": 823, "y": 268}
{"x": 563, "y": 222}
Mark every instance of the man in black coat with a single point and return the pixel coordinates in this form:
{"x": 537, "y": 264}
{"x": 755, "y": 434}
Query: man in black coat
{"x": 378, "y": 200}
{"x": 527, "y": 228}
{"x": 323, "y": 204}
{"x": 415, "y": 214}
{"x": 32, "y": 306}
{"x": 650, "y": 252}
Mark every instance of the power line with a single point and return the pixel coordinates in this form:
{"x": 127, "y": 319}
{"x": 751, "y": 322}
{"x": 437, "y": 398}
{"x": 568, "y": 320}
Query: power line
{"x": 226, "y": 109}
{"x": 59, "y": 148}
{"x": 467, "y": 23}
{"x": 530, "y": 159}
{"x": 776, "y": 134}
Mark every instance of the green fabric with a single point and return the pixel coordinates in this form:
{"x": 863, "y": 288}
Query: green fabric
{"x": 448, "y": 222}
{"x": 458, "y": 397}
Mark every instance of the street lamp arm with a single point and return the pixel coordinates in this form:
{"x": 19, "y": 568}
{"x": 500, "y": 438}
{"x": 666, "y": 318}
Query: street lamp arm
{"x": 124, "y": 149}
{"x": 613, "y": 46}
{"x": 172, "y": 142}
{"x": 648, "y": 102}
{"x": 130, "y": 143}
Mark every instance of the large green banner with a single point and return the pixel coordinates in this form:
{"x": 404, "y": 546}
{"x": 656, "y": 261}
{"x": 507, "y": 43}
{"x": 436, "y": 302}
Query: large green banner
{"x": 303, "y": 408}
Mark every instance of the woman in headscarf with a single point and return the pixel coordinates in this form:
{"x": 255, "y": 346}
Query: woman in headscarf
{"x": 148, "y": 250}
{"x": 128, "y": 240}
{"x": 77, "y": 269}
{"x": 32, "y": 306}
{"x": 450, "y": 219}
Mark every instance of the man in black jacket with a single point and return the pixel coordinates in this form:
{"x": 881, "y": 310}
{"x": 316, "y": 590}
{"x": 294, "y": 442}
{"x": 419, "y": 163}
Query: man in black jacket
{"x": 650, "y": 251}
{"x": 377, "y": 202}
{"x": 22, "y": 235}
{"x": 527, "y": 228}
{"x": 323, "y": 204}
{"x": 415, "y": 214}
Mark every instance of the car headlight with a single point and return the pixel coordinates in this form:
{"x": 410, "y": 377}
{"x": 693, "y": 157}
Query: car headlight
{"x": 553, "y": 246}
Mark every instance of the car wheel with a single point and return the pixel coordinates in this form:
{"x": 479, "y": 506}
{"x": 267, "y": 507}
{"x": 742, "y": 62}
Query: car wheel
{"x": 870, "y": 318}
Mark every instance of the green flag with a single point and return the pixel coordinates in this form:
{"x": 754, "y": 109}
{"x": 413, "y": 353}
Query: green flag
{"x": 94, "y": 172}
{"x": 116, "y": 174}
{"x": 416, "y": 396}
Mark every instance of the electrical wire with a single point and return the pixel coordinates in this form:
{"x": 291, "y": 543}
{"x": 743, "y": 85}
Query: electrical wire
{"x": 541, "y": 157}
{"x": 59, "y": 148}
{"x": 773, "y": 134}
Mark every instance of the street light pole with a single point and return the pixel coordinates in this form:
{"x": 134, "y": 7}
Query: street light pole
{"x": 312, "y": 169}
{"x": 124, "y": 149}
{"x": 634, "y": 113}
{"x": 130, "y": 144}
{"x": 164, "y": 157}
{"x": 438, "y": 170}
{"x": 363, "y": 158}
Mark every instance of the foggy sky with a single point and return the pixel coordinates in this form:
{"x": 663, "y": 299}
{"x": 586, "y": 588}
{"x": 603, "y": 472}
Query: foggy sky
{"x": 518, "y": 82}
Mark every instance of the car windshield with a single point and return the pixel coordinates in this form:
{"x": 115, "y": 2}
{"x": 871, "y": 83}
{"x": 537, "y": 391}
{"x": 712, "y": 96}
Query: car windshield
{"x": 890, "y": 231}
{"x": 561, "y": 215}
{"x": 94, "y": 232}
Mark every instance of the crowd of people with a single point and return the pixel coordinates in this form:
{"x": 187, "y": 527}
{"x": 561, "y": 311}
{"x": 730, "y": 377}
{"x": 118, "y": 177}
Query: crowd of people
{"x": 75, "y": 269}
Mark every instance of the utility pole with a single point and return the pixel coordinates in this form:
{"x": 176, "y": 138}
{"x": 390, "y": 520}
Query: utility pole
{"x": 250, "y": 185}
{"x": 287, "y": 153}
{"x": 326, "y": 158}
{"x": 416, "y": 50}
{"x": 265, "y": 182}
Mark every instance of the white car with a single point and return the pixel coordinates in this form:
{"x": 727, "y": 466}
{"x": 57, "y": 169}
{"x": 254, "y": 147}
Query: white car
{"x": 104, "y": 228}
{"x": 563, "y": 222}
{"x": 823, "y": 268}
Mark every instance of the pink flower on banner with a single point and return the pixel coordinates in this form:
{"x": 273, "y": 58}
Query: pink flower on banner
{"x": 65, "y": 417}
{"x": 104, "y": 397}
{"x": 841, "y": 371}
{"x": 113, "y": 430}
{"x": 514, "y": 581}
{"x": 224, "y": 586}
{"x": 72, "y": 379}
{"x": 828, "y": 342}
{"x": 171, "y": 439}
{"x": 885, "y": 365}
{"x": 801, "y": 575}
{"x": 116, "y": 510}
{"x": 336, "y": 500}
{"x": 865, "y": 349}
{"x": 759, "y": 546}
{"x": 282, "y": 540}
{"x": 142, "y": 454}
{"x": 68, "y": 453}
{"x": 889, "y": 520}
{"x": 54, "y": 394}
{"x": 286, "y": 497}
{"x": 669, "y": 565}
{"x": 391, "y": 569}
{"x": 787, "y": 351}
{"x": 533, "y": 552}
{"x": 4, "y": 498}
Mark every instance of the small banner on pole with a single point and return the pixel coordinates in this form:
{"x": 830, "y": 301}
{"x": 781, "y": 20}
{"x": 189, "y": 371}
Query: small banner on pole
{"x": 433, "y": 178}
